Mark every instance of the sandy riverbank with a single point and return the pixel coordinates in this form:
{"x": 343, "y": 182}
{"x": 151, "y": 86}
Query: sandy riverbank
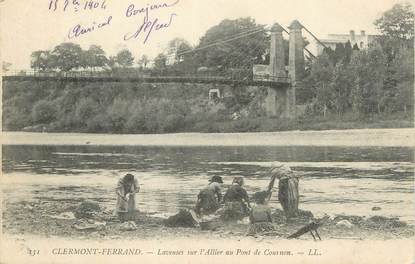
{"x": 404, "y": 137}
{"x": 37, "y": 218}
{"x": 31, "y": 226}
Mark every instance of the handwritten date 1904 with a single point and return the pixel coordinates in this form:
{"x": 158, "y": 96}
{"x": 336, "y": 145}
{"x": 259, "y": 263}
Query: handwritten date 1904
{"x": 77, "y": 5}
{"x": 148, "y": 27}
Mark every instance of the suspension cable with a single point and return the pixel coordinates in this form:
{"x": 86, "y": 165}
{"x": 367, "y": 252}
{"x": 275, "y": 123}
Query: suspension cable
{"x": 222, "y": 41}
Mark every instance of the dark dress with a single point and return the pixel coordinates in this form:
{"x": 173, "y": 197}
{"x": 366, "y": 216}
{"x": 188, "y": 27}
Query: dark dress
{"x": 236, "y": 203}
{"x": 236, "y": 193}
{"x": 208, "y": 199}
{"x": 288, "y": 195}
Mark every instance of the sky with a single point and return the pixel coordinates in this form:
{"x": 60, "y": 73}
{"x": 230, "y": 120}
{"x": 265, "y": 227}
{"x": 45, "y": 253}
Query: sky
{"x": 29, "y": 25}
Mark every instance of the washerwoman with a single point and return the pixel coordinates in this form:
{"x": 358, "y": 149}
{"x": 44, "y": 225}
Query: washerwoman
{"x": 288, "y": 194}
{"x": 127, "y": 187}
{"x": 236, "y": 201}
{"x": 209, "y": 198}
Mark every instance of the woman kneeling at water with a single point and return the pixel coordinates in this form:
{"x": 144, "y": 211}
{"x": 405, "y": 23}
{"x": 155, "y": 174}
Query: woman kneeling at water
{"x": 208, "y": 199}
{"x": 236, "y": 201}
{"x": 126, "y": 189}
{"x": 260, "y": 215}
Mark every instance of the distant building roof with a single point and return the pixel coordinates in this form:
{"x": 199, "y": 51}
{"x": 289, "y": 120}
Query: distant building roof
{"x": 346, "y": 36}
{"x": 359, "y": 38}
{"x": 333, "y": 41}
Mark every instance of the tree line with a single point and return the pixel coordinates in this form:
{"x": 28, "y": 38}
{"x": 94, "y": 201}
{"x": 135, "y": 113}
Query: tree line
{"x": 69, "y": 56}
{"x": 179, "y": 56}
{"x": 378, "y": 79}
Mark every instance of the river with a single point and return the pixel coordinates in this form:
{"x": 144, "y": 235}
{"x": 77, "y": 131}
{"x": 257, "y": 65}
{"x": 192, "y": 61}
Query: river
{"x": 334, "y": 180}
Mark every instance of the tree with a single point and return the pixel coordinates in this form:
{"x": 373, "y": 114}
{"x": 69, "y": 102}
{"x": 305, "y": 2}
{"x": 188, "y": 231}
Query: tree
{"x": 348, "y": 52}
{"x": 124, "y": 58}
{"x": 217, "y": 48}
{"x": 42, "y": 60}
{"x": 176, "y": 47}
{"x": 94, "y": 57}
{"x": 339, "y": 53}
{"x": 68, "y": 56}
{"x": 398, "y": 22}
{"x": 112, "y": 61}
{"x": 180, "y": 57}
{"x": 356, "y": 47}
{"x": 143, "y": 61}
{"x": 6, "y": 66}
{"x": 330, "y": 54}
{"x": 340, "y": 87}
{"x": 160, "y": 62}
{"x": 369, "y": 71}
{"x": 183, "y": 51}
{"x": 319, "y": 81}
{"x": 399, "y": 89}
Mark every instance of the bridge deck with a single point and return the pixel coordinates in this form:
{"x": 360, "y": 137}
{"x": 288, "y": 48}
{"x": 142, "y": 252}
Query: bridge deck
{"x": 283, "y": 83}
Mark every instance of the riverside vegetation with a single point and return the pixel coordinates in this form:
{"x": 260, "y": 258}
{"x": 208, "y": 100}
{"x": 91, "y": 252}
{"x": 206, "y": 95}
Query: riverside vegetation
{"x": 167, "y": 108}
{"x": 344, "y": 88}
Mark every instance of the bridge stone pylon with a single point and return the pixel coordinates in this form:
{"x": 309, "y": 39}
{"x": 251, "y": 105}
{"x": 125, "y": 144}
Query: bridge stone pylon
{"x": 277, "y": 55}
{"x": 296, "y": 65}
{"x": 275, "y": 101}
{"x": 281, "y": 102}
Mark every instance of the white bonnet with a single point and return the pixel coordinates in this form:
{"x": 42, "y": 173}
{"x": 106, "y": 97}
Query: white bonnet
{"x": 281, "y": 170}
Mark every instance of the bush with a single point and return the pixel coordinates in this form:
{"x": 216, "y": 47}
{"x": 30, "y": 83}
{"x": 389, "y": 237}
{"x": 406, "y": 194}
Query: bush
{"x": 136, "y": 123}
{"x": 44, "y": 112}
{"x": 117, "y": 115}
{"x": 206, "y": 127}
{"x": 172, "y": 123}
{"x": 15, "y": 121}
{"x": 87, "y": 209}
{"x": 86, "y": 109}
{"x": 66, "y": 122}
{"x": 245, "y": 125}
{"x": 98, "y": 124}
{"x": 166, "y": 108}
{"x": 91, "y": 117}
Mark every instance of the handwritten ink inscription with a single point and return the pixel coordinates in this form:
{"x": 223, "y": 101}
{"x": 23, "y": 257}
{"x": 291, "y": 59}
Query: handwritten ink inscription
{"x": 148, "y": 27}
{"x": 79, "y": 29}
{"x": 133, "y": 11}
{"x": 149, "y": 24}
{"x": 144, "y": 30}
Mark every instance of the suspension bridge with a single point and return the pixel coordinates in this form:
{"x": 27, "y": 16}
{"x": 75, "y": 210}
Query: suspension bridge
{"x": 281, "y": 81}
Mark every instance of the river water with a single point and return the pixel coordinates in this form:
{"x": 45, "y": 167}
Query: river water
{"x": 334, "y": 180}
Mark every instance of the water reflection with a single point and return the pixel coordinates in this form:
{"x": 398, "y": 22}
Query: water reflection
{"x": 334, "y": 179}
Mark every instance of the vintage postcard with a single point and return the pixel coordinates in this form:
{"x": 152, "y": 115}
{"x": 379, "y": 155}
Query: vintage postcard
{"x": 221, "y": 131}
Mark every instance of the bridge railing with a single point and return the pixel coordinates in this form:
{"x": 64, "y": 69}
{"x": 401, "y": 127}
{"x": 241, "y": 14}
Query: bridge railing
{"x": 235, "y": 76}
{"x": 270, "y": 78}
{"x": 33, "y": 73}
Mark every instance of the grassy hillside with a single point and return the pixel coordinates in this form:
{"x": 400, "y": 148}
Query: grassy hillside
{"x": 158, "y": 108}
{"x": 116, "y": 107}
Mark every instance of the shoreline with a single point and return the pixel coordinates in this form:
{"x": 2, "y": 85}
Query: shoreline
{"x": 38, "y": 218}
{"x": 399, "y": 137}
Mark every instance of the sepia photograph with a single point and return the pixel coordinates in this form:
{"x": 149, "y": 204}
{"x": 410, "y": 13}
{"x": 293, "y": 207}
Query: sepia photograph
{"x": 191, "y": 131}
